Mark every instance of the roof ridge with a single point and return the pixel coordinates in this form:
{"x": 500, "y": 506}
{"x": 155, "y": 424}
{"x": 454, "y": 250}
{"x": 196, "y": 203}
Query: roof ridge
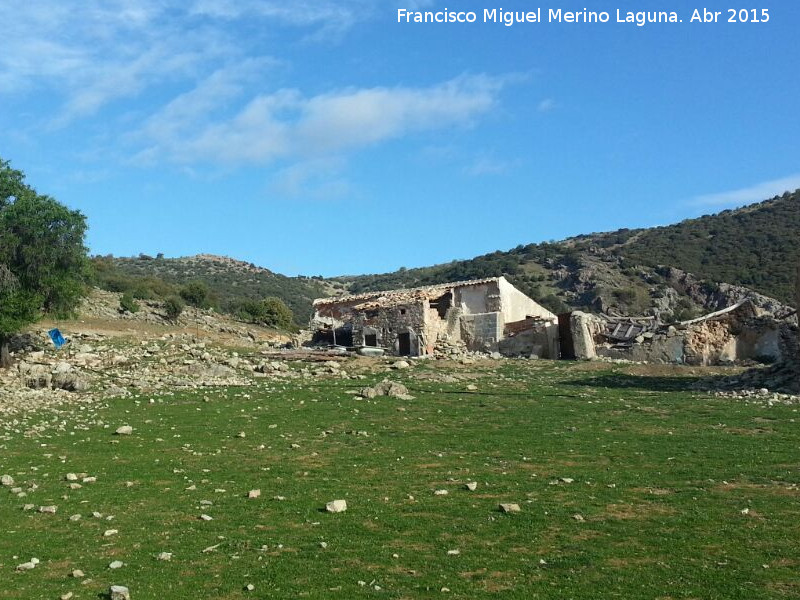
{"x": 398, "y": 291}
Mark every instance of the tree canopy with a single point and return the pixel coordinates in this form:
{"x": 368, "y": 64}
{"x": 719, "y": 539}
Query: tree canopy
{"x": 43, "y": 259}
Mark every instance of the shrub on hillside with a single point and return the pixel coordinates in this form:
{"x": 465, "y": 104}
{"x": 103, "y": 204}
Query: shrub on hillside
{"x": 128, "y": 304}
{"x": 173, "y": 307}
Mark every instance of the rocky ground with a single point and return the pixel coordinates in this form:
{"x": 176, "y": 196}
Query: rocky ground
{"x": 111, "y": 354}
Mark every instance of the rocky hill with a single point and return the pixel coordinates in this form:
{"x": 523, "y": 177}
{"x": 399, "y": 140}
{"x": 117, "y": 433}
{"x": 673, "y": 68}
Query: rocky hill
{"x": 675, "y": 272}
{"x": 230, "y": 281}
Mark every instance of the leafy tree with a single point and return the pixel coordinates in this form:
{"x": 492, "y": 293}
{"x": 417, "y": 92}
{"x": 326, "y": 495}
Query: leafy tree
{"x": 196, "y": 293}
{"x": 42, "y": 256}
{"x": 270, "y": 312}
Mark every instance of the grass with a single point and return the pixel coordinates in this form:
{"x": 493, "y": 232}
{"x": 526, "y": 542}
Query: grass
{"x": 660, "y": 477}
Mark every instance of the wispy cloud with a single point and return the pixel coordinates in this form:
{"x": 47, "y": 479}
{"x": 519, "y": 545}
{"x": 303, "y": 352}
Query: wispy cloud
{"x": 102, "y": 51}
{"x": 546, "y": 105}
{"x": 316, "y": 179}
{"x": 755, "y": 193}
{"x": 489, "y": 165}
{"x": 288, "y": 125}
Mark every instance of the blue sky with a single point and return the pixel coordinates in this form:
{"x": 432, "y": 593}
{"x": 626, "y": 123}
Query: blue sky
{"x": 322, "y": 137}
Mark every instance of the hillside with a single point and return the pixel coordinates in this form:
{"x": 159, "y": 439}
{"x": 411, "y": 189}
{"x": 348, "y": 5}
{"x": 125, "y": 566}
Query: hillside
{"x": 637, "y": 271}
{"x": 674, "y": 271}
{"x": 229, "y": 281}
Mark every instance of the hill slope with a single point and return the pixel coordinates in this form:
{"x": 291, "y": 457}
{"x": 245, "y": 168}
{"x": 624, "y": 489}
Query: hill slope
{"x": 755, "y": 246}
{"x": 229, "y": 281}
{"x": 671, "y": 271}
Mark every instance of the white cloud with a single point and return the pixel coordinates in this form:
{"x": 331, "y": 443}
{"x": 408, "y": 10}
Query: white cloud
{"x": 755, "y": 193}
{"x": 286, "y": 124}
{"x": 86, "y": 55}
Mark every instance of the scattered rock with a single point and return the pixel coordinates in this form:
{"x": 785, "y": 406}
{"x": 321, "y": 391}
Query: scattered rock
{"x": 510, "y": 508}
{"x": 77, "y": 574}
{"x": 578, "y": 517}
{"x": 117, "y": 564}
{"x": 7, "y": 480}
{"x": 472, "y": 486}
{"x": 387, "y": 388}
{"x": 119, "y": 592}
{"x": 48, "y": 509}
{"x": 254, "y": 493}
{"x": 440, "y": 492}
{"x": 124, "y": 430}
{"x": 164, "y": 556}
{"x": 27, "y": 566}
{"x": 336, "y": 506}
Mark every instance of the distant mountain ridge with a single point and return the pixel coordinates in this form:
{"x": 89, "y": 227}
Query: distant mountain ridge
{"x": 672, "y": 271}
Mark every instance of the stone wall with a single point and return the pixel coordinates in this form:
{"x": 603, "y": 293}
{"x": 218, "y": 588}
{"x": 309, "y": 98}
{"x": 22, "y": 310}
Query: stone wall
{"x": 388, "y": 323}
{"x": 482, "y": 332}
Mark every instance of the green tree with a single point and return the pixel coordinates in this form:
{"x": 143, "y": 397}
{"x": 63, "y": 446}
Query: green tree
{"x": 43, "y": 261}
{"x": 196, "y": 293}
{"x": 270, "y": 312}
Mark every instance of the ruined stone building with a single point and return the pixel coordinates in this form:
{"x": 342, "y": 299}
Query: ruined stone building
{"x": 740, "y": 332}
{"x": 484, "y": 314}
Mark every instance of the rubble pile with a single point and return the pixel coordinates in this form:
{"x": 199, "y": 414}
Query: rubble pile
{"x": 455, "y": 350}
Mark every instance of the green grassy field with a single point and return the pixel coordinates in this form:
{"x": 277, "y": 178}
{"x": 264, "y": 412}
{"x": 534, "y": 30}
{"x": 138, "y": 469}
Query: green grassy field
{"x": 660, "y": 478}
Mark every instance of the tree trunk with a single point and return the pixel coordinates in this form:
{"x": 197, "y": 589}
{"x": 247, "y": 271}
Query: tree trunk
{"x": 5, "y": 357}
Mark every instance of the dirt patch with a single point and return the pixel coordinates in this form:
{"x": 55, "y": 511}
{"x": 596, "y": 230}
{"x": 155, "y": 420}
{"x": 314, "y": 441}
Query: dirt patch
{"x": 635, "y": 511}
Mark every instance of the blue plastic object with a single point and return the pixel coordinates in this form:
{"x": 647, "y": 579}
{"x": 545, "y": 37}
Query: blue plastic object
{"x": 58, "y": 339}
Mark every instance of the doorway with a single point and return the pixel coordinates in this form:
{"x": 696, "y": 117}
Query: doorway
{"x": 404, "y": 344}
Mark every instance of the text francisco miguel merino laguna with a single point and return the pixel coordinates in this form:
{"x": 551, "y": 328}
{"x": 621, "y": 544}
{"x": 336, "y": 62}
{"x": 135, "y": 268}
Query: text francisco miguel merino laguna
{"x": 558, "y": 15}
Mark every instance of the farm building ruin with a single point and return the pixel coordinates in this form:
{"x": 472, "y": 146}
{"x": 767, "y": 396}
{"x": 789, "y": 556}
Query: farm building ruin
{"x": 738, "y": 333}
{"x": 486, "y": 315}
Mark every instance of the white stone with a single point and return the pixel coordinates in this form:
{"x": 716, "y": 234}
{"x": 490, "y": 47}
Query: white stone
{"x": 119, "y": 592}
{"x": 336, "y": 506}
{"x": 254, "y": 493}
{"x": 124, "y": 430}
{"x": 472, "y": 486}
{"x": 510, "y": 508}
{"x": 117, "y": 564}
